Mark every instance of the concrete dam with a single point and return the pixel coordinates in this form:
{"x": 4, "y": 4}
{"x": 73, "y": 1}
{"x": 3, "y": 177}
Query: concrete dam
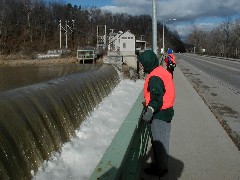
{"x": 36, "y": 120}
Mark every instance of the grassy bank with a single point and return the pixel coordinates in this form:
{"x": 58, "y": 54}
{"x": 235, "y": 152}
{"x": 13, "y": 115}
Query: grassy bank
{"x": 20, "y": 62}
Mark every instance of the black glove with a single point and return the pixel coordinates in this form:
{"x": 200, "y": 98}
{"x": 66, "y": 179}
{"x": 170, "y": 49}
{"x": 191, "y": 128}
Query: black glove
{"x": 147, "y": 116}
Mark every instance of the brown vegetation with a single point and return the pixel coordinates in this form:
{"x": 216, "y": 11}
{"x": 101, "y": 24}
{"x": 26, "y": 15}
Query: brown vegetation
{"x": 223, "y": 40}
{"x": 30, "y": 27}
{"x": 24, "y": 61}
{"x": 4, "y": 61}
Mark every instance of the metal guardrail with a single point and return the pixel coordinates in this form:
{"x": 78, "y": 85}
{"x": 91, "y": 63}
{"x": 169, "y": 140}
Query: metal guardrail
{"x": 124, "y": 157}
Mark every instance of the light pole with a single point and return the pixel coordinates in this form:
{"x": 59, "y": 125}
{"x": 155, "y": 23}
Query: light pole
{"x": 154, "y": 27}
{"x": 163, "y": 31}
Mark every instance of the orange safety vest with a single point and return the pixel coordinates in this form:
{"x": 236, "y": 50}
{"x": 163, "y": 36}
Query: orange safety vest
{"x": 169, "y": 95}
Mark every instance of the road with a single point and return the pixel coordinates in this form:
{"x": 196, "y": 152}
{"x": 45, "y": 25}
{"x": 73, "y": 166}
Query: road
{"x": 217, "y": 81}
{"x": 223, "y": 70}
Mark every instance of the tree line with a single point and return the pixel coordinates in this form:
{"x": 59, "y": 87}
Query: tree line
{"x": 223, "y": 40}
{"x": 32, "y": 26}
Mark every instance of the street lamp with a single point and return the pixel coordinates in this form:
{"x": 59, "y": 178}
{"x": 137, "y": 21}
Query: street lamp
{"x": 163, "y": 31}
{"x": 154, "y": 27}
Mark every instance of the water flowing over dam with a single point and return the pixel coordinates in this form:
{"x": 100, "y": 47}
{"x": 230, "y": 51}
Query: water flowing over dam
{"x": 36, "y": 120}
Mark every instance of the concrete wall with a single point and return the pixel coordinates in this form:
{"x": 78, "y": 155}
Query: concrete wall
{"x": 131, "y": 61}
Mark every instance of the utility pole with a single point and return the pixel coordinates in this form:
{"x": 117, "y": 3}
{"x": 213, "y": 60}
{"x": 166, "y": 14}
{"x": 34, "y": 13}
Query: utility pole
{"x": 163, "y": 32}
{"x": 67, "y": 27}
{"x": 66, "y": 32}
{"x": 60, "y": 35}
{"x": 154, "y": 27}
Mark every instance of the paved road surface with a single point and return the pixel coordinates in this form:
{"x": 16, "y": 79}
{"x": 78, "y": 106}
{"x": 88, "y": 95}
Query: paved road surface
{"x": 213, "y": 87}
{"x": 200, "y": 149}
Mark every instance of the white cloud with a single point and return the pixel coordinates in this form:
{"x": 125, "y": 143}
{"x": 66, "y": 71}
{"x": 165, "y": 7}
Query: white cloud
{"x": 191, "y": 10}
{"x": 122, "y": 9}
{"x": 187, "y": 12}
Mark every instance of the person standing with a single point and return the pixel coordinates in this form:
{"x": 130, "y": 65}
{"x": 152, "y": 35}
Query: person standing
{"x": 159, "y": 95}
{"x": 170, "y": 61}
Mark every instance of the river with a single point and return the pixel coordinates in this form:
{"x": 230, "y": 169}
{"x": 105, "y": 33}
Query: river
{"x": 40, "y": 109}
{"x": 15, "y": 77}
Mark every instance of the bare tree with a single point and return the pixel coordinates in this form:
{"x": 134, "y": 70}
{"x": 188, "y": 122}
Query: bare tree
{"x": 197, "y": 38}
{"x": 221, "y": 41}
{"x": 32, "y": 26}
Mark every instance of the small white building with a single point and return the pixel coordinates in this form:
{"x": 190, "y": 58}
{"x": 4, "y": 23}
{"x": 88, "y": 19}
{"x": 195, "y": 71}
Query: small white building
{"x": 124, "y": 43}
{"x": 122, "y": 47}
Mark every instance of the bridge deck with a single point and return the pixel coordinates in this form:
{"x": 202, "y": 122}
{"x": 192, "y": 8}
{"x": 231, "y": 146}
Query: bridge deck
{"x": 199, "y": 146}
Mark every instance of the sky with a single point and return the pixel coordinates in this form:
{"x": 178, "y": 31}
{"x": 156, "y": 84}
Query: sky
{"x": 80, "y": 156}
{"x": 205, "y": 14}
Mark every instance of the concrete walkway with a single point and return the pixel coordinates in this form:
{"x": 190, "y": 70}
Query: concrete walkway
{"x": 200, "y": 149}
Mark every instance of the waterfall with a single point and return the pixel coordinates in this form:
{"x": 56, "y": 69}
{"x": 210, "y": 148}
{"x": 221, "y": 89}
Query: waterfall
{"x": 36, "y": 120}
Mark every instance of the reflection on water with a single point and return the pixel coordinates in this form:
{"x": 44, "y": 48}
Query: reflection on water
{"x": 14, "y": 77}
{"x": 36, "y": 120}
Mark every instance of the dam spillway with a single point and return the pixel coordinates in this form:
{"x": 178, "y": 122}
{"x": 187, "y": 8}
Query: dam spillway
{"x": 36, "y": 120}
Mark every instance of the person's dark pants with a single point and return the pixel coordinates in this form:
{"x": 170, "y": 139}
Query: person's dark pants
{"x": 160, "y": 135}
{"x": 170, "y": 69}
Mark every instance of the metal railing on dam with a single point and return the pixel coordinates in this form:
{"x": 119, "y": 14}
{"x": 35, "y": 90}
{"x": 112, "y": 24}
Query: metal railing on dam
{"x": 124, "y": 157}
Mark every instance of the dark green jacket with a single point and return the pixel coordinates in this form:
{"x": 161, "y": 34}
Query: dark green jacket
{"x": 149, "y": 61}
{"x": 156, "y": 89}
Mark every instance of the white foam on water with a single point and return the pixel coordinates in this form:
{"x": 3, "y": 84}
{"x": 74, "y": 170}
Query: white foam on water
{"x": 80, "y": 156}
